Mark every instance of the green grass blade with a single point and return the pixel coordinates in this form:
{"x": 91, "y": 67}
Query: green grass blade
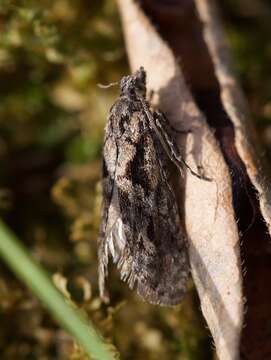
{"x": 33, "y": 275}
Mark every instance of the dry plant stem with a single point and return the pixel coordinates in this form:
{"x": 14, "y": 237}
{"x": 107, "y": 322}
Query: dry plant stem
{"x": 206, "y": 207}
{"x": 235, "y": 105}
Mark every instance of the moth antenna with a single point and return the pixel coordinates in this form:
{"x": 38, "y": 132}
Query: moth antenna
{"x": 107, "y": 86}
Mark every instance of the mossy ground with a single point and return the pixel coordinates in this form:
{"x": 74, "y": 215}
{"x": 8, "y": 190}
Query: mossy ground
{"x": 52, "y": 114}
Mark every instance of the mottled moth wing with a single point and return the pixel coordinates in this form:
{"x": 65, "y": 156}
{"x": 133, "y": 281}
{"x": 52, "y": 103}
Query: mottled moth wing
{"x": 140, "y": 227}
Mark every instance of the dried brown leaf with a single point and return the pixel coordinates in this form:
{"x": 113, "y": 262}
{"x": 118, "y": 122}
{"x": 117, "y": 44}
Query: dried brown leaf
{"x": 256, "y": 249}
{"x": 206, "y": 207}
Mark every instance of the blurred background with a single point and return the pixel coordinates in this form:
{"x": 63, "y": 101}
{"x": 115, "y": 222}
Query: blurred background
{"x": 52, "y": 115}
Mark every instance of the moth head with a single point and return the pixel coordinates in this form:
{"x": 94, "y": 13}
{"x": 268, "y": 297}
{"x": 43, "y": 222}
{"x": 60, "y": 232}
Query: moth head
{"x": 135, "y": 84}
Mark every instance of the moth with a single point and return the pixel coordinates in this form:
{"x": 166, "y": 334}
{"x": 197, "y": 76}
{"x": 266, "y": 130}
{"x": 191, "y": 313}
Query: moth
{"x": 140, "y": 227}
